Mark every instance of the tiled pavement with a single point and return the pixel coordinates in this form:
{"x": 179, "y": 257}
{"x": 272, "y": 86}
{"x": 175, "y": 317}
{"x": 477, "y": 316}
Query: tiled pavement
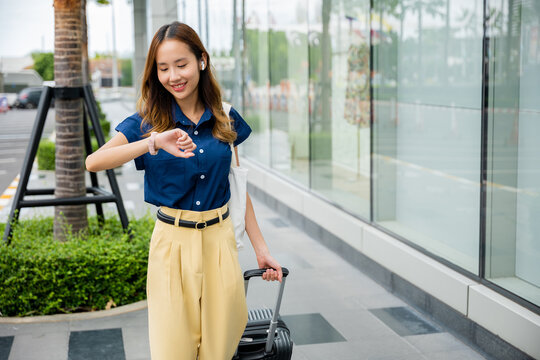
{"x": 334, "y": 311}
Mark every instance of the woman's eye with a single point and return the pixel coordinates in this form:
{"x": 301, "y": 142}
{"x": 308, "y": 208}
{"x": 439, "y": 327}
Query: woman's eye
{"x": 163, "y": 69}
{"x": 181, "y": 66}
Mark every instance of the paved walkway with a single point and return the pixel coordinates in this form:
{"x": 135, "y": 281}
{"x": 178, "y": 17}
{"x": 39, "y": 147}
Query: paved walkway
{"x": 334, "y": 311}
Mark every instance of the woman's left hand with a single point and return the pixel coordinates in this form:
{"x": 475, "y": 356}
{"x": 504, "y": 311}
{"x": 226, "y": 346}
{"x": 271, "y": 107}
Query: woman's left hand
{"x": 274, "y": 269}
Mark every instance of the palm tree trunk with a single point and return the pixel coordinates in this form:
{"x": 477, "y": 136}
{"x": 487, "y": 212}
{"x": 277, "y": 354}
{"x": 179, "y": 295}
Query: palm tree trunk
{"x": 85, "y": 63}
{"x": 70, "y": 173}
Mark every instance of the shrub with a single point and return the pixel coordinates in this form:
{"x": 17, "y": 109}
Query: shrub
{"x": 105, "y": 124}
{"x": 45, "y": 155}
{"x": 40, "y": 276}
{"x": 46, "y": 149}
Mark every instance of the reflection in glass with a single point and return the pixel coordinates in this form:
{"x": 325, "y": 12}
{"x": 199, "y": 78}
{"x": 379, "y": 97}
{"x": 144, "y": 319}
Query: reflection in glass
{"x": 191, "y": 15}
{"x": 513, "y": 187}
{"x": 288, "y": 85}
{"x": 340, "y": 102}
{"x": 304, "y": 69}
{"x": 427, "y": 121}
{"x": 224, "y": 46}
{"x": 223, "y": 42}
{"x": 256, "y": 94}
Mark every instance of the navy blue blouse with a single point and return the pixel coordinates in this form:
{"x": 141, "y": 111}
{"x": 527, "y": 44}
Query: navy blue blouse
{"x": 198, "y": 183}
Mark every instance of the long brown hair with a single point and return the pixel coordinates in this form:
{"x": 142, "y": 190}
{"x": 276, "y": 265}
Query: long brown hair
{"x": 155, "y": 103}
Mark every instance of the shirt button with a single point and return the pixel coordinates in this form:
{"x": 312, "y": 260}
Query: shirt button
{"x": 198, "y": 203}
{"x": 202, "y": 176}
{"x": 201, "y": 151}
{"x": 196, "y": 132}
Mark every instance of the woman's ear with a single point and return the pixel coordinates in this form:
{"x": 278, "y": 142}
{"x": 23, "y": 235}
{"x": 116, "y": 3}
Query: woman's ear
{"x": 203, "y": 64}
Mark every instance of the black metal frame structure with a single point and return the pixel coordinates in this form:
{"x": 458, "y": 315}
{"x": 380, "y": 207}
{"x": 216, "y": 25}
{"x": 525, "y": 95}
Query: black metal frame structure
{"x": 100, "y": 195}
{"x": 484, "y": 144}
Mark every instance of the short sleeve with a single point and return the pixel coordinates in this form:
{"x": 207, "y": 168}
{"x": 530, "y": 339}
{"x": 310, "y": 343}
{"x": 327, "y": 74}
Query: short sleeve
{"x": 240, "y": 126}
{"x": 131, "y": 128}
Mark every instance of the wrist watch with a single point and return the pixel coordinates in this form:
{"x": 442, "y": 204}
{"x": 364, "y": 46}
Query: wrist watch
{"x": 151, "y": 143}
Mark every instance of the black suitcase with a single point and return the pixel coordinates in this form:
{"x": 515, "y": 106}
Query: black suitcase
{"x": 266, "y": 336}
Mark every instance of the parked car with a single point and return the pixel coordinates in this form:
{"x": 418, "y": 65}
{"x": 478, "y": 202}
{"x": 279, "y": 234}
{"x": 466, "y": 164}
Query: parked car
{"x": 28, "y": 98}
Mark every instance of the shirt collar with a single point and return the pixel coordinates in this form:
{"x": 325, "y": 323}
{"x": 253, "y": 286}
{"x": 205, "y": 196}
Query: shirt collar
{"x": 179, "y": 116}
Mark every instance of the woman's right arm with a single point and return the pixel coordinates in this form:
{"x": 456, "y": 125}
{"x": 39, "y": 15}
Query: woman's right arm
{"x": 118, "y": 150}
{"x": 115, "y": 152}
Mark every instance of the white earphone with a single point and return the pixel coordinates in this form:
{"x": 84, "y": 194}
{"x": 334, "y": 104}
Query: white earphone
{"x": 202, "y": 65}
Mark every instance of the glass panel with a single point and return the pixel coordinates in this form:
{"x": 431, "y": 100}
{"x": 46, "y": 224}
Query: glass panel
{"x": 427, "y": 121}
{"x": 191, "y": 14}
{"x": 288, "y": 88}
{"x": 513, "y": 207}
{"x": 256, "y": 108}
{"x": 224, "y": 47}
{"x": 223, "y": 20}
{"x": 340, "y": 102}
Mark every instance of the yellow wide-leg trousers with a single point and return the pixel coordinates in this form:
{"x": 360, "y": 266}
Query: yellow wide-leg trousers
{"x": 195, "y": 291}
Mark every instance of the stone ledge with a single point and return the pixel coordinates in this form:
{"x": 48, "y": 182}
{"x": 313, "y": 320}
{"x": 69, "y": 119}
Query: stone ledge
{"x": 140, "y": 305}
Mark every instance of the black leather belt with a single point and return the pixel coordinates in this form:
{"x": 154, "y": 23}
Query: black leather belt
{"x": 199, "y": 225}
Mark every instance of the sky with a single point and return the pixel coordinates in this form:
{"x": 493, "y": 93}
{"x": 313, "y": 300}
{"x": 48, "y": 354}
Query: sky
{"x": 28, "y": 25}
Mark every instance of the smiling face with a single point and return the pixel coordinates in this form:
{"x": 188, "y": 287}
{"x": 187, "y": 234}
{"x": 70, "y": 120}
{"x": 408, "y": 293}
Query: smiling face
{"x": 178, "y": 70}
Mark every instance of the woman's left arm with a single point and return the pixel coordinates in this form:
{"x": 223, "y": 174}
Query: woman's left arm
{"x": 264, "y": 259}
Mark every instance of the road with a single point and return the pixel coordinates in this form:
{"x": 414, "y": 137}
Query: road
{"x": 16, "y": 129}
{"x": 14, "y": 139}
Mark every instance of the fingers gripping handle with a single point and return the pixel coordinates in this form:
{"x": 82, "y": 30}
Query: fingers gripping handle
{"x": 248, "y": 274}
{"x": 273, "y": 323}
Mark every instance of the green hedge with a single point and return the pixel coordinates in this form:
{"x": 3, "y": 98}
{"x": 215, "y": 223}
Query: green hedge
{"x": 105, "y": 127}
{"x": 46, "y": 155}
{"x": 40, "y": 276}
{"x": 46, "y": 148}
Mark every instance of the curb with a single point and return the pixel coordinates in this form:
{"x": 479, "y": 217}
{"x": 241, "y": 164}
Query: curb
{"x": 5, "y": 198}
{"x": 124, "y": 309}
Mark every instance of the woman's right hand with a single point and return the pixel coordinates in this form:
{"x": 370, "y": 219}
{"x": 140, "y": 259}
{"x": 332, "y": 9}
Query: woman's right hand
{"x": 176, "y": 142}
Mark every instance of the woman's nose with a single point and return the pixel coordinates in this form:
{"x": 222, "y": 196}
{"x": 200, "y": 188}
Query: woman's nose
{"x": 175, "y": 74}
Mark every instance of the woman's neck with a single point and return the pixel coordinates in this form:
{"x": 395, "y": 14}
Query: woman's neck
{"x": 192, "y": 108}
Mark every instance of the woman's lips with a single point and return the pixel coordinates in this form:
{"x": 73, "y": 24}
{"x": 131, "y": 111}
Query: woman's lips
{"x": 179, "y": 87}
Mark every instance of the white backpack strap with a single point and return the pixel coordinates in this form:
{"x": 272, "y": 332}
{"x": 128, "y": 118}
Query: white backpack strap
{"x": 227, "y": 109}
{"x": 234, "y": 160}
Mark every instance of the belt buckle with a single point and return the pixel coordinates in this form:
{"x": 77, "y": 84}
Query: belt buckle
{"x": 201, "y": 222}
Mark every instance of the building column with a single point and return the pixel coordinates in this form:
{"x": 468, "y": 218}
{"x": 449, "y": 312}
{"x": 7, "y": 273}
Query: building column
{"x": 141, "y": 42}
{"x": 159, "y": 13}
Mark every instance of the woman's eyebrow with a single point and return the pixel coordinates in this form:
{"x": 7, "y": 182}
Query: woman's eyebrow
{"x": 175, "y": 61}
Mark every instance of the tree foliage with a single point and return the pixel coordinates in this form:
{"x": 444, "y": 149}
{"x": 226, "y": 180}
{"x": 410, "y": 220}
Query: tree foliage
{"x": 44, "y": 64}
{"x": 126, "y": 66}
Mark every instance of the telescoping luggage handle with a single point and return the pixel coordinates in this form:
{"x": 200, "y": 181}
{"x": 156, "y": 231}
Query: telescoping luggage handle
{"x": 248, "y": 274}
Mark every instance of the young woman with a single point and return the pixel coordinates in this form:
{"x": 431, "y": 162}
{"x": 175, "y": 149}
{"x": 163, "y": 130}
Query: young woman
{"x": 180, "y": 136}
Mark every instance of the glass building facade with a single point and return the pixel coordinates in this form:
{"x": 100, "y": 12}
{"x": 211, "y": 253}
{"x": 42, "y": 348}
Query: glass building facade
{"x": 419, "y": 117}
